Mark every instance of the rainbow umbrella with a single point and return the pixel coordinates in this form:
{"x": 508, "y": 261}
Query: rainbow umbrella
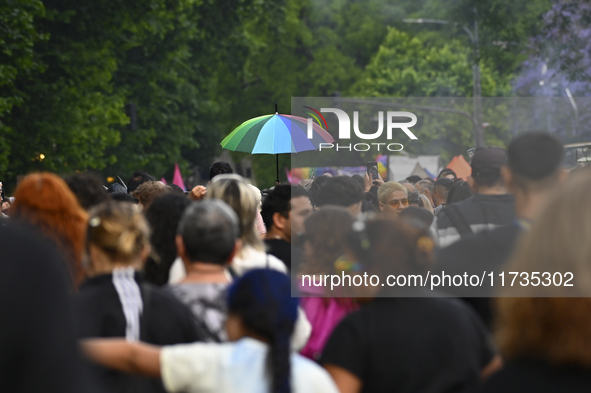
{"x": 275, "y": 134}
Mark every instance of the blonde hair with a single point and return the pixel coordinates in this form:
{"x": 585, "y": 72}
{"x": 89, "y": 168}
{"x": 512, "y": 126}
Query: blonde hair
{"x": 388, "y": 188}
{"x": 554, "y": 329}
{"x": 426, "y": 203}
{"x": 119, "y": 230}
{"x": 241, "y": 197}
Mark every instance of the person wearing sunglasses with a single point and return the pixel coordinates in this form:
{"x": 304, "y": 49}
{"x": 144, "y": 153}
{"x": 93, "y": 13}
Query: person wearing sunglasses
{"x": 393, "y": 197}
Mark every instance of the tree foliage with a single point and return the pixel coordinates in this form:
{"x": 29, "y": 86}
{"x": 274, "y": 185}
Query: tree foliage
{"x": 405, "y": 67}
{"x": 161, "y": 56}
{"x": 17, "y": 37}
{"x": 195, "y": 69}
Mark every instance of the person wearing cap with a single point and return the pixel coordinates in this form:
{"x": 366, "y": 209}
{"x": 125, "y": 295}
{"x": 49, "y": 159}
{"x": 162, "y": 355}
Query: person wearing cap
{"x": 490, "y": 206}
{"x": 533, "y": 170}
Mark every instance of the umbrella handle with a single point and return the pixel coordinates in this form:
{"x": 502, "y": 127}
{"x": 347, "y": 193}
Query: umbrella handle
{"x": 277, "y": 166}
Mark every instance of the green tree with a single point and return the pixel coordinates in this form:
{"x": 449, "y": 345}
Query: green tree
{"x": 17, "y": 38}
{"x": 171, "y": 78}
{"x": 163, "y": 56}
{"x": 405, "y": 67}
{"x": 70, "y": 110}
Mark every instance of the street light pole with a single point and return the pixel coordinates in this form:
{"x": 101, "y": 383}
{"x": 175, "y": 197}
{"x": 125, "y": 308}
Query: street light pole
{"x": 476, "y": 90}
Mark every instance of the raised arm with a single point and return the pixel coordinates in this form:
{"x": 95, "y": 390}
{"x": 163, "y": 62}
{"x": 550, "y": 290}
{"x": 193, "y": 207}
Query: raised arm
{"x": 129, "y": 357}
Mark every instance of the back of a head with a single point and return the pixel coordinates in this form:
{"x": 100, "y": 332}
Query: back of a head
{"x": 413, "y": 193}
{"x": 446, "y": 172}
{"x": 164, "y": 215}
{"x": 425, "y": 185}
{"x": 535, "y": 160}
{"x": 88, "y": 189}
{"x": 459, "y": 191}
{"x": 233, "y": 190}
{"x": 138, "y": 178}
{"x": 45, "y": 201}
{"x": 219, "y": 168}
{"x": 147, "y": 192}
{"x": 278, "y": 200}
{"x": 417, "y": 217}
{"x": 486, "y": 166}
{"x": 209, "y": 229}
{"x": 43, "y": 193}
{"x": 263, "y": 302}
{"x": 326, "y": 233}
{"x": 390, "y": 245}
{"x": 414, "y": 179}
{"x": 359, "y": 180}
{"x": 119, "y": 230}
{"x": 340, "y": 191}
{"x": 315, "y": 188}
{"x": 443, "y": 185}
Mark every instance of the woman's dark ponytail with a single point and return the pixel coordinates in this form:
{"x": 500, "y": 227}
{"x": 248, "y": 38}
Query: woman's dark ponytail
{"x": 262, "y": 299}
{"x": 278, "y": 363}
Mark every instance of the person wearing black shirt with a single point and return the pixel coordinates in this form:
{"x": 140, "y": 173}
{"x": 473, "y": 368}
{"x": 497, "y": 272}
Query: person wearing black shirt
{"x": 490, "y": 206}
{"x": 533, "y": 171}
{"x": 409, "y": 343}
{"x": 117, "y": 302}
{"x": 38, "y": 351}
{"x": 284, "y": 211}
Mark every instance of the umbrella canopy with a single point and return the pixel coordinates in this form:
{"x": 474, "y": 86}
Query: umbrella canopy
{"x": 275, "y": 134}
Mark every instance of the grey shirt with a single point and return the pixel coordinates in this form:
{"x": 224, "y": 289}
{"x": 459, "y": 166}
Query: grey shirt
{"x": 207, "y": 302}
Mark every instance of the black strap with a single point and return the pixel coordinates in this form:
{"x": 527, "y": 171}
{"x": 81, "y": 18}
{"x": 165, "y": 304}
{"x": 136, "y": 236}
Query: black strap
{"x": 458, "y": 221}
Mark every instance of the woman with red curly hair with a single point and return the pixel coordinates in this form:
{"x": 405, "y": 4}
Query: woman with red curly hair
{"x": 44, "y": 201}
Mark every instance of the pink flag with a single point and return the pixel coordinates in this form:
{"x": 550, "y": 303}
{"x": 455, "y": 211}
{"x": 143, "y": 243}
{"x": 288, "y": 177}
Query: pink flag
{"x": 163, "y": 180}
{"x": 177, "y": 178}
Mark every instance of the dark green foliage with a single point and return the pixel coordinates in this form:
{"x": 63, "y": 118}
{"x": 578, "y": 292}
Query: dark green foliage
{"x": 195, "y": 69}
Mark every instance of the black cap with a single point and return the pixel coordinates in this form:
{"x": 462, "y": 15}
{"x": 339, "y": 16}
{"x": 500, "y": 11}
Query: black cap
{"x": 488, "y": 160}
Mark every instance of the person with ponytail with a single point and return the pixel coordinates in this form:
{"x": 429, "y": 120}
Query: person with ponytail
{"x": 261, "y": 318}
{"x": 115, "y": 301}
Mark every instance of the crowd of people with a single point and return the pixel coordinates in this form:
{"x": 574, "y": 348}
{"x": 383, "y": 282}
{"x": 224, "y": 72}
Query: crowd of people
{"x": 143, "y": 287}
